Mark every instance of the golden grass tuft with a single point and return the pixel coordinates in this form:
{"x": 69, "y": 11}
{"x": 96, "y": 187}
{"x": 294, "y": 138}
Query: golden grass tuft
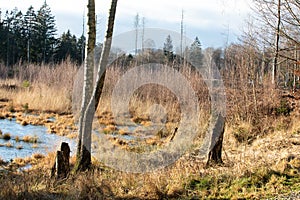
{"x": 30, "y": 139}
{"x": 109, "y": 129}
{"x": 38, "y": 156}
{"x": 20, "y": 161}
{"x": 9, "y": 145}
{"x": 124, "y": 131}
{"x": 146, "y": 123}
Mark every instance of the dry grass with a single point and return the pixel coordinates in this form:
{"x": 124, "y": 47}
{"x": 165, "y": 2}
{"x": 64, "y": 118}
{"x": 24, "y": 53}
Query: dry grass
{"x": 37, "y": 156}
{"x": 30, "y": 139}
{"x": 258, "y": 143}
{"x": 250, "y": 171}
{"x": 9, "y": 145}
{"x": 42, "y": 88}
{"x": 44, "y": 98}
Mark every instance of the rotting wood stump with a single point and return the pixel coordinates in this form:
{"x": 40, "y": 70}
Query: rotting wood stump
{"x": 61, "y": 167}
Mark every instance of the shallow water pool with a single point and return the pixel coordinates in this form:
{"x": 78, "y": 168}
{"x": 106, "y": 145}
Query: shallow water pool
{"x": 45, "y": 142}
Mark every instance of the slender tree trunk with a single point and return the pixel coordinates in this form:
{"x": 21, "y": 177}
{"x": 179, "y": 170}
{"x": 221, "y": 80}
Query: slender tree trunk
{"x": 136, "y": 26}
{"x": 274, "y": 70}
{"x": 84, "y": 159}
{"x": 295, "y": 67}
{"x": 181, "y": 38}
{"x": 88, "y": 68}
{"x": 28, "y": 51}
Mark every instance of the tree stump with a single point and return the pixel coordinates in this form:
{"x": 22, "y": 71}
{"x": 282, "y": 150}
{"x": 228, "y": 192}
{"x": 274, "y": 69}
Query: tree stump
{"x": 215, "y": 152}
{"x": 61, "y": 167}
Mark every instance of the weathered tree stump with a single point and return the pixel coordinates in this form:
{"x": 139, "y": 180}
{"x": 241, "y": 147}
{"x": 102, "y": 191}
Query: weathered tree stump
{"x": 215, "y": 152}
{"x": 61, "y": 167}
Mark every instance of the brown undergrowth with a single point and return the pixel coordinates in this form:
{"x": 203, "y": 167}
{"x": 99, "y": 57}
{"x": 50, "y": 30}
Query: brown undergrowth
{"x": 260, "y": 152}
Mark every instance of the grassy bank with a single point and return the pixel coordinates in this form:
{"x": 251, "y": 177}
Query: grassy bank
{"x": 261, "y": 170}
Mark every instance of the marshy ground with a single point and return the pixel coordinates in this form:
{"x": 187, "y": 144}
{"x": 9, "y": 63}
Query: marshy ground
{"x": 260, "y": 150}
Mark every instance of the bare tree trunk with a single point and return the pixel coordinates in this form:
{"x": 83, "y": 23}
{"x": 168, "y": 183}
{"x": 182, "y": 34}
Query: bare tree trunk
{"x": 181, "y": 38}
{"x": 136, "y": 26}
{"x": 295, "y": 67}
{"x": 88, "y": 68}
{"x": 143, "y": 33}
{"x": 84, "y": 159}
{"x": 274, "y": 70}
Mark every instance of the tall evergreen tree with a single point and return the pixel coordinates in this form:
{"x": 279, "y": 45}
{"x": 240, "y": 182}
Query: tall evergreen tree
{"x": 5, "y": 39}
{"x": 11, "y": 39}
{"x": 17, "y": 42}
{"x": 195, "y": 55}
{"x": 81, "y": 49}
{"x": 168, "y": 48}
{"x": 46, "y": 31}
{"x": 66, "y": 47}
{"x": 29, "y": 32}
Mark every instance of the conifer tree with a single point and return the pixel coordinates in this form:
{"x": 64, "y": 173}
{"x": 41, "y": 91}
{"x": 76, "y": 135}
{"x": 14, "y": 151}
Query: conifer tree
{"x": 168, "y": 48}
{"x": 46, "y": 31}
{"x": 195, "y": 54}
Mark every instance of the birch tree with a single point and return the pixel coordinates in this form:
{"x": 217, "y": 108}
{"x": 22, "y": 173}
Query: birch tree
{"x": 88, "y": 68}
{"x": 83, "y": 161}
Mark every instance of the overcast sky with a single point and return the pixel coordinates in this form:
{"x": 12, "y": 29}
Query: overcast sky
{"x": 213, "y": 21}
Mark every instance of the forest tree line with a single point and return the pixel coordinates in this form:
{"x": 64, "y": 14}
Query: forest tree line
{"x": 31, "y": 37}
{"x": 269, "y": 46}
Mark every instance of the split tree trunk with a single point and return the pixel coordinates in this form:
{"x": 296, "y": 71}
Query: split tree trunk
{"x": 88, "y": 68}
{"x": 84, "y": 157}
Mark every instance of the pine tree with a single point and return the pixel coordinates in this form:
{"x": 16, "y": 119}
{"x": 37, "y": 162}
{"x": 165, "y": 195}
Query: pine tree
{"x": 195, "y": 55}
{"x": 81, "y": 49}
{"x": 46, "y": 31}
{"x": 18, "y": 41}
{"x": 5, "y": 38}
{"x": 168, "y": 48}
{"x": 29, "y": 32}
{"x": 11, "y": 40}
{"x": 66, "y": 47}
